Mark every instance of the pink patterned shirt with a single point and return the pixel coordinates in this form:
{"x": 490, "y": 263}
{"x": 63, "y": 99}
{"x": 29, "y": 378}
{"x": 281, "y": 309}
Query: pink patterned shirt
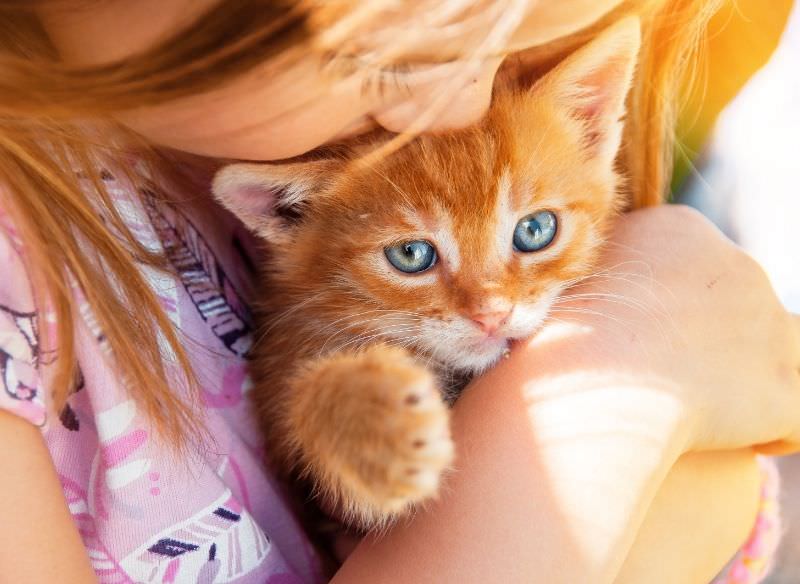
{"x": 144, "y": 514}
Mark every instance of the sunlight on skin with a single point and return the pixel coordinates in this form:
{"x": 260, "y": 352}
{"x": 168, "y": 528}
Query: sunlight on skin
{"x": 558, "y": 331}
{"x": 562, "y": 420}
{"x": 550, "y": 442}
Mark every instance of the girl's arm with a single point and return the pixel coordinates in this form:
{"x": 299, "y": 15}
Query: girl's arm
{"x": 707, "y": 498}
{"x": 679, "y": 346}
{"x": 38, "y": 539}
{"x": 505, "y": 518}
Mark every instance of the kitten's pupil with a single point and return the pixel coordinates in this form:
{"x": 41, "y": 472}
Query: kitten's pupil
{"x": 411, "y": 257}
{"x": 413, "y": 253}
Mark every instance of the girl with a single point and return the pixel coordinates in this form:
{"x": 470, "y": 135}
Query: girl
{"x": 123, "y": 327}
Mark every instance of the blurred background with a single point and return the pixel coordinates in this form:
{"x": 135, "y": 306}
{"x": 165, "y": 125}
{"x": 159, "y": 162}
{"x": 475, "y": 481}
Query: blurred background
{"x": 739, "y": 163}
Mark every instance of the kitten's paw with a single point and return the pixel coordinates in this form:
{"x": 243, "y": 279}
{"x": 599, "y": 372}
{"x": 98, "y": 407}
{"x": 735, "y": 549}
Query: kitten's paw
{"x": 411, "y": 444}
{"x": 375, "y": 432}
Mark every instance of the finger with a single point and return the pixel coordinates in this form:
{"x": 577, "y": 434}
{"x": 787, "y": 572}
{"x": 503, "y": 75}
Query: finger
{"x": 796, "y": 320}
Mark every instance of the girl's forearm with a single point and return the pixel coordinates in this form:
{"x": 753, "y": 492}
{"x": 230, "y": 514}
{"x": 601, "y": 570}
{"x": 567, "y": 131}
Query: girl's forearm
{"x": 550, "y": 485}
{"x": 599, "y": 444}
{"x": 704, "y": 511}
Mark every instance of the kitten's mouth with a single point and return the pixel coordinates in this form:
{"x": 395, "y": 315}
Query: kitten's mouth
{"x": 496, "y": 344}
{"x": 490, "y": 343}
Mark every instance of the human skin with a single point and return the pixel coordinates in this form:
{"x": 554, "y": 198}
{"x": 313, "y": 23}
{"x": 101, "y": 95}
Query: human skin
{"x": 451, "y": 537}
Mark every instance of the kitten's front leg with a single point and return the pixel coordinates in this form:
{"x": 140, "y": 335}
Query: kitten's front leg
{"x": 372, "y": 431}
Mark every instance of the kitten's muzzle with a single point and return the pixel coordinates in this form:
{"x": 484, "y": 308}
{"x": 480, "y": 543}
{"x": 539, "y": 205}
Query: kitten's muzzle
{"x": 490, "y": 322}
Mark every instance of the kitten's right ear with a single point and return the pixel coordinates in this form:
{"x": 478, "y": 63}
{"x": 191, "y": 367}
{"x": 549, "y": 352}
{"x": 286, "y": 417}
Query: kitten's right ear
{"x": 260, "y": 195}
{"x": 593, "y": 84}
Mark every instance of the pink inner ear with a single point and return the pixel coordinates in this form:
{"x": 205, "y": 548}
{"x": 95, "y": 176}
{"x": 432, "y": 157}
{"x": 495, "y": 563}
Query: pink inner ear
{"x": 594, "y": 103}
{"x": 593, "y": 109}
{"x": 601, "y": 92}
{"x": 600, "y": 101}
{"x": 252, "y": 200}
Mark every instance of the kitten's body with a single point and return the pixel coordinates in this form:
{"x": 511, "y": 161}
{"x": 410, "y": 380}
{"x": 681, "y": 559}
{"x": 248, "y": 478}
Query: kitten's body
{"x": 353, "y": 355}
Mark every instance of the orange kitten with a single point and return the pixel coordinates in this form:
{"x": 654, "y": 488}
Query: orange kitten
{"x": 383, "y": 283}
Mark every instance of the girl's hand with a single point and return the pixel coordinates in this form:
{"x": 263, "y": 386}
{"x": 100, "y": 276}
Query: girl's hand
{"x": 681, "y": 308}
{"x": 677, "y": 344}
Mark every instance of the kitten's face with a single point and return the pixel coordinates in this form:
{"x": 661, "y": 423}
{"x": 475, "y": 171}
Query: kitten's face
{"x": 457, "y": 245}
{"x": 465, "y": 240}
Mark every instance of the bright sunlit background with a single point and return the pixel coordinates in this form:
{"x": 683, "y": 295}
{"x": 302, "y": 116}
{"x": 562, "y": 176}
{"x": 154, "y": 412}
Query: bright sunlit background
{"x": 746, "y": 171}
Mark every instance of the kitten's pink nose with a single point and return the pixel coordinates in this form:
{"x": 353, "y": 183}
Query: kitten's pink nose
{"x": 489, "y": 322}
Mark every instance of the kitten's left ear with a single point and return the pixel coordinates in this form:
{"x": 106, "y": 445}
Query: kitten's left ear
{"x": 263, "y": 195}
{"x": 593, "y": 83}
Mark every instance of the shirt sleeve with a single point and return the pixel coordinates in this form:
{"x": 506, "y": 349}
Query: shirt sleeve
{"x": 20, "y": 352}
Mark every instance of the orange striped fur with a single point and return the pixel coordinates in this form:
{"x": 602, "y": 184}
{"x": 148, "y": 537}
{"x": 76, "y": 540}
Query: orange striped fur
{"x": 354, "y": 356}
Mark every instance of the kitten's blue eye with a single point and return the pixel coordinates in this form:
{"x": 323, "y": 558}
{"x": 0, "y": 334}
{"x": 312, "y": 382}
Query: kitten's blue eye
{"x": 535, "y": 232}
{"x": 411, "y": 257}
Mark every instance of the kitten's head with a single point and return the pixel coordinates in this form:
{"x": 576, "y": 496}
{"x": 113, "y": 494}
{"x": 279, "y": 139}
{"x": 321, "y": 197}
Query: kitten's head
{"x": 456, "y": 244}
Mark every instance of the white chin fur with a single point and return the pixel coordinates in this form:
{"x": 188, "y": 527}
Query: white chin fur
{"x": 458, "y": 344}
{"x": 476, "y": 359}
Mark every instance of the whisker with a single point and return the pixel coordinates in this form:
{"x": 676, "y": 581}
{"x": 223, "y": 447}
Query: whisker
{"x": 348, "y": 327}
{"x": 361, "y": 340}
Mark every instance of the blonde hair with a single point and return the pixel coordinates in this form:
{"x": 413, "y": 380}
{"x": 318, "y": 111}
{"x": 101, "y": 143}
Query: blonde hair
{"x": 45, "y": 139}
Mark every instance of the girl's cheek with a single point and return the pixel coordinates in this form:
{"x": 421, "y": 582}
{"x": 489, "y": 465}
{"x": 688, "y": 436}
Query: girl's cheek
{"x": 266, "y": 120}
{"x": 267, "y": 116}
{"x": 247, "y": 139}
